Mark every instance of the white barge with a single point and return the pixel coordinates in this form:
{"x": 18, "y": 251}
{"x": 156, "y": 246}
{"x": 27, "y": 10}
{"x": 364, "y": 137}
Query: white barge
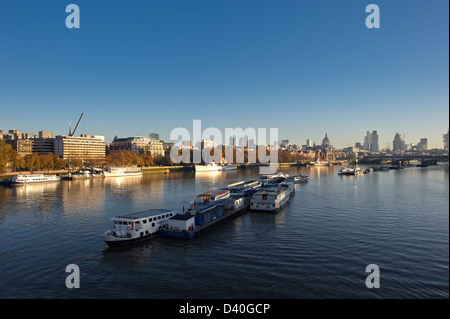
{"x": 136, "y": 227}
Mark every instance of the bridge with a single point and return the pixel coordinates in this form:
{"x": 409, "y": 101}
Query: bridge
{"x": 397, "y": 158}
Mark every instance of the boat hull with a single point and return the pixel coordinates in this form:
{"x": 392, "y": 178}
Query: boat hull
{"x": 114, "y": 241}
{"x": 107, "y": 174}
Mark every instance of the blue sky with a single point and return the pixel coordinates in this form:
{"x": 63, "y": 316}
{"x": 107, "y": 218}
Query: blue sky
{"x": 305, "y": 67}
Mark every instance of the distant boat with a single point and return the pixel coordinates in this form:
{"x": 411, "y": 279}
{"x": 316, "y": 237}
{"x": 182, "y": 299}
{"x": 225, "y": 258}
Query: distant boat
{"x": 318, "y": 162}
{"x": 214, "y": 167}
{"x": 123, "y": 171}
{"x": 273, "y": 178}
{"x": 350, "y": 171}
{"x": 298, "y": 179}
{"x": 33, "y": 179}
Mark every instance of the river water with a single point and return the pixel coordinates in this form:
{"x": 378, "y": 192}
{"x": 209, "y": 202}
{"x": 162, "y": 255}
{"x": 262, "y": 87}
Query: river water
{"x": 316, "y": 247}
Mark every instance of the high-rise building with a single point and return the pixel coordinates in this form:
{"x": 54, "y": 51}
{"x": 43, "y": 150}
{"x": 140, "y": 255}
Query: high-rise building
{"x": 445, "y": 138}
{"x": 309, "y": 143}
{"x": 371, "y": 142}
{"x": 398, "y": 145}
{"x": 374, "y": 147}
{"x": 367, "y": 141}
{"x": 423, "y": 144}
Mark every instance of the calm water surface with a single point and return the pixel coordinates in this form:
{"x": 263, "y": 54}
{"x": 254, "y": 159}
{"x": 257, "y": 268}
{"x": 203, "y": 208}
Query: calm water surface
{"x": 316, "y": 247}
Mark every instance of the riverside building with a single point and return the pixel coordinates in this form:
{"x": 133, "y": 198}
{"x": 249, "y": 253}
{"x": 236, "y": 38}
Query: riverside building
{"x": 82, "y": 147}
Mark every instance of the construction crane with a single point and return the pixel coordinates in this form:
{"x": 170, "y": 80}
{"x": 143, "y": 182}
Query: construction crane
{"x": 70, "y": 126}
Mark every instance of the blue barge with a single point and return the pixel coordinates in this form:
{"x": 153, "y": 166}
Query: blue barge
{"x": 202, "y": 217}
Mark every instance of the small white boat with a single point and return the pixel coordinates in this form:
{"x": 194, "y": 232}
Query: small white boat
{"x": 273, "y": 178}
{"x": 350, "y": 171}
{"x": 136, "y": 227}
{"x": 123, "y": 171}
{"x": 298, "y": 179}
{"x": 318, "y": 162}
{"x": 33, "y": 179}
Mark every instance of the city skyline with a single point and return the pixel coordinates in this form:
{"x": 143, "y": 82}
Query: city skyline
{"x": 370, "y": 143}
{"x": 304, "y": 68}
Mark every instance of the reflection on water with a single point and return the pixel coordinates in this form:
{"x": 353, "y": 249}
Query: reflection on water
{"x": 316, "y": 247}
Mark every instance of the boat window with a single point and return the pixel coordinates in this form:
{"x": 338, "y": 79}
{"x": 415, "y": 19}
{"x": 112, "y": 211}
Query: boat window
{"x": 171, "y": 214}
{"x": 144, "y": 221}
{"x": 137, "y": 222}
{"x": 264, "y": 196}
{"x": 159, "y": 217}
{"x": 153, "y": 224}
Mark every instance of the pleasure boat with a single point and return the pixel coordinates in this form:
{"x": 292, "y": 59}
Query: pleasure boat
{"x": 214, "y": 167}
{"x": 33, "y": 178}
{"x": 137, "y": 226}
{"x": 273, "y": 178}
{"x": 318, "y": 162}
{"x": 123, "y": 171}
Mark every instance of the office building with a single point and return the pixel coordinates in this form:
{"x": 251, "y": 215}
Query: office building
{"x": 138, "y": 144}
{"x": 22, "y": 146}
{"x": 82, "y": 147}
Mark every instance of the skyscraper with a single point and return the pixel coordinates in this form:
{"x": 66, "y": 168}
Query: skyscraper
{"x": 367, "y": 141}
{"x": 423, "y": 144}
{"x": 374, "y": 147}
{"x": 445, "y": 137}
{"x": 371, "y": 142}
{"x": 398, "y": 145}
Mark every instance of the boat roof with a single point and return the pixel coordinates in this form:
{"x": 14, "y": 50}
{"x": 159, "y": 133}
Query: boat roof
{"x": 215, "y": 192}
{"x": 270, "y": 191}
{"x": 144, "y": 214}
{"x": 226, "y": 201}
{"x": 182, "y": 217}
{"x": 243, "y": 184}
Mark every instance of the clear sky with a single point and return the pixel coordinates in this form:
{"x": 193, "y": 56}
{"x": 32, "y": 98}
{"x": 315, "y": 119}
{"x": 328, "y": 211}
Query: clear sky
{"x": 305, "y": 67}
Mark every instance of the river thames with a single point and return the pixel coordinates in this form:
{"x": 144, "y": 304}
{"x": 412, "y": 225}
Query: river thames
{"x": 318, "y": 246}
